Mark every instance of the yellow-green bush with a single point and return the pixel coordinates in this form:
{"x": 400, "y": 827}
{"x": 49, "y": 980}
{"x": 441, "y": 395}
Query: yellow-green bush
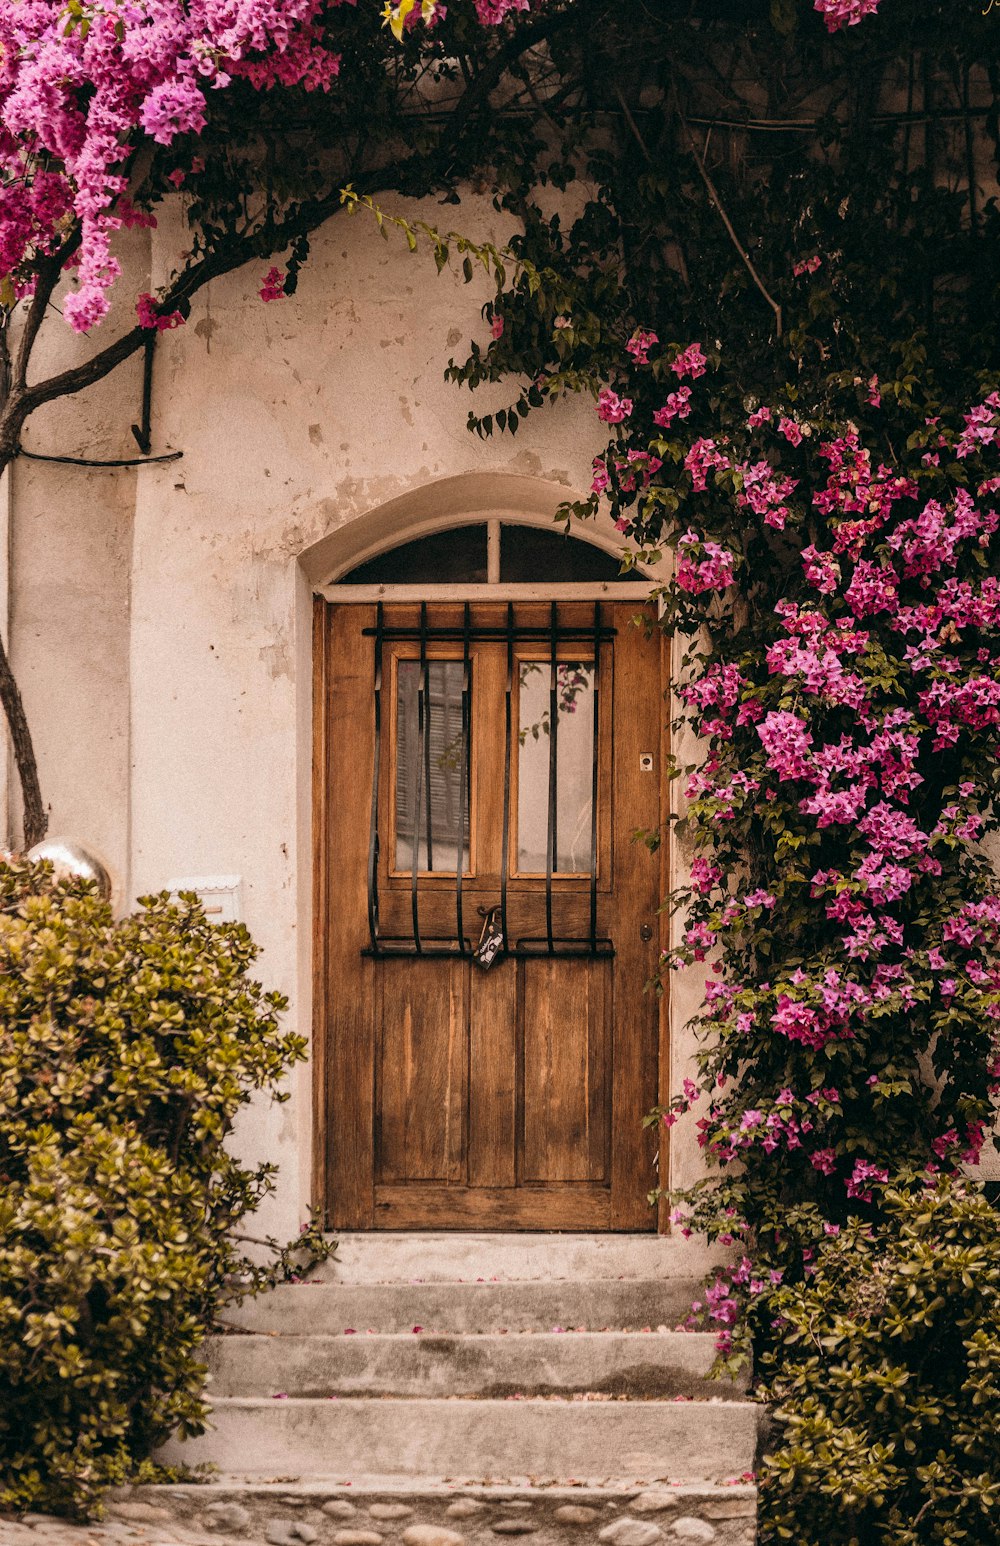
{"x": 126, "y": 1050}
{"x": 886, "y": 1379}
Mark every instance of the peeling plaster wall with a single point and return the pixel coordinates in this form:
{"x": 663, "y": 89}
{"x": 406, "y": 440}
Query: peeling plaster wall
{"x": 161, "y": 617}
{"x": 295, "y": 418}
{"x": 70, "y": 553}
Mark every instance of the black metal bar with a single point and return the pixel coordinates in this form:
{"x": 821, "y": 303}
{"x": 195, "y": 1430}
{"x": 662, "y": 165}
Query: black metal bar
{"x": 425, "y": 672}
{"x": 464, "y": 782}
{"x": 376, "y": 759}
{"x": 522, "y": 951}
{"x": 551, "y": 835}
{"x": 143, "y": 432}
{"x": 563, "y": 946}
{"x": 421, "y": 732}
{"x": 594, "y": 778}
{"x": 89, "y": 461}
{"x": 505, "y": 839}
{"x": 456, "y": 633}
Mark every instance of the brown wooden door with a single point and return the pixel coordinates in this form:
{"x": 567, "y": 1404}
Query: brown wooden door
{"x": 449, "y": 1096}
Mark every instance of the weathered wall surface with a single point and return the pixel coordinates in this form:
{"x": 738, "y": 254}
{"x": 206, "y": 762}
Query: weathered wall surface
{"x": 161, "y": 616}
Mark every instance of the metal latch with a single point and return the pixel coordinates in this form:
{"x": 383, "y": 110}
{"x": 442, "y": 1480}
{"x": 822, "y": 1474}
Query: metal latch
{"x": 491, "y": 940}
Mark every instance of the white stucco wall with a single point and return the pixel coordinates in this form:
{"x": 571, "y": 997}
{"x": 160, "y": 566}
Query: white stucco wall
{"x": 161, "y": 617}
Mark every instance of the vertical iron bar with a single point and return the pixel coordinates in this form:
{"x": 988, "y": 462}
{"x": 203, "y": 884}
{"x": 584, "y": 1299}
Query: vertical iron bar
{"x": 464, "y": 781}
{"x": 376, "y": 760}
{"x": 142, "y": 432}
{"x": 551, "y": 837}
{"x": 421, "y": 738}
{"x": 505, "y": 839}
{"x": 594, "y": 783}
{"x": 426, "y": 674}
{"x": 970, "y": 157}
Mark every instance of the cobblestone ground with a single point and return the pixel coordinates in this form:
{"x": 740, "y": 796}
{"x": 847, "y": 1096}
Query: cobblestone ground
{"x": 211, "y": 1516}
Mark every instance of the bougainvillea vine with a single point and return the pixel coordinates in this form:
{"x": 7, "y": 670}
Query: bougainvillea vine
{"x": 839, "y": 889}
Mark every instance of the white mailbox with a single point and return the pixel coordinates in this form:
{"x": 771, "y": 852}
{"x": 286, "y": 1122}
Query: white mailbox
{"x": 219, "y": 894}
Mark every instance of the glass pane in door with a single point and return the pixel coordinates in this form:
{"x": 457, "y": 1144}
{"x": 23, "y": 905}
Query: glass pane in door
{"x": 430, "y": 768}
{"x": 571, "y": 750}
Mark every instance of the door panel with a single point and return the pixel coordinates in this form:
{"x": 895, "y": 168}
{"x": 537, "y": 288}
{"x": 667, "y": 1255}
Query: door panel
{"x": 421, "y": 1089}
{"x": 512, "y": 1098}
{"x": 567, "y": 1106}
{"x": 493, "y": 1092}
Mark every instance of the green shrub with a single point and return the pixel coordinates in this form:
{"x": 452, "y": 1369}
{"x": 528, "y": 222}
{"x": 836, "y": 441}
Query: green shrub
{"x": 126, "y": 1050}
{"x": 886, "y": 1379}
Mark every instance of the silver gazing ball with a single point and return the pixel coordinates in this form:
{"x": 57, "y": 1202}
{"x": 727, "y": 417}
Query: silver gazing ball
{"x": 69, "y": 858}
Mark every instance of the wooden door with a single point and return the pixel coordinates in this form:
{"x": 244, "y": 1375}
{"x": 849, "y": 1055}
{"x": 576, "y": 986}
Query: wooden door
{"x": 451, "y": 1097}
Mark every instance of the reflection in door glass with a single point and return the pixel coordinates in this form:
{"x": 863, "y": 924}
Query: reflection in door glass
{"x": 429, "y": 778}
{"x": 574, "y": 747}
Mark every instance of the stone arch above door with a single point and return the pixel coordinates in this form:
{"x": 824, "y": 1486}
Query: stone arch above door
{"x": 442, "y": 505}
{"x": 449, "y": 1096}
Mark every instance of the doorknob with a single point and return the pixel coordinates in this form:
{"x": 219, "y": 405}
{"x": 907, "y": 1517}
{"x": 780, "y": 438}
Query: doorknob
{"x": 646, "y": 932}
{"x": 491, "y": 940}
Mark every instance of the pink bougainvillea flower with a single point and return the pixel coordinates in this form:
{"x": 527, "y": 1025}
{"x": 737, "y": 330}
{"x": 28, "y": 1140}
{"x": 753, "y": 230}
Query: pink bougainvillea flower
{"x": 77, "y": 102}
{"x": 703, "y": 455}
{"x": 639, "y": 345}
{"x": 703, "y": 566}
{"x": 677, "y": 406}
{"x": 612, "y": 408}
{"x": 844, "y": 13}
{"x": 689, "y": 362}
{"x": 601, "y": 478}
{"x": 273, "y": 285}
{"x": 149, "y": 314}
{"x": 863, "y": 1177}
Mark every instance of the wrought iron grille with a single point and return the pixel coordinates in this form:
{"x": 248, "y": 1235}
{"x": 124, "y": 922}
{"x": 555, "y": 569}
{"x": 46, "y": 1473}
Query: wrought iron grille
{"x": 422, "y": 806}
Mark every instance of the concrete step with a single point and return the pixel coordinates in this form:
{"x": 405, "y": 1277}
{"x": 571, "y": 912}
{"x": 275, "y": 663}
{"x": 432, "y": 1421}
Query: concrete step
{"x": 639, "y": 1365}
{"x": 688, "y": 1441}
{"x": 397, "y": 1257}
{"x": 387, "y": 1506}
{"x": 298, "y": 1309}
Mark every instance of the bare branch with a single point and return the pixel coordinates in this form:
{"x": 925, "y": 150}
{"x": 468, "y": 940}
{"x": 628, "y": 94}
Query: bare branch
{"x": 48, "y": 278}
{"x": 35, "y": 819}
{"x": 720, "y": 210}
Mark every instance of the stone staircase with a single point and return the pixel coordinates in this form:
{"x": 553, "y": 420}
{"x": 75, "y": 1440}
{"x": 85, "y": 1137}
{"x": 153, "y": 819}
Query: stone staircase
{"x": 444, "y": 1390}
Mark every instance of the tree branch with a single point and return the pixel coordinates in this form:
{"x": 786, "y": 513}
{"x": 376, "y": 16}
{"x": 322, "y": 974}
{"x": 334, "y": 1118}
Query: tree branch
{"x": 35, "y": 819}
{"x": 720, "y": 210}
{"x": 477, "y": 94}
{"x": 48, "y": 277}
{"x": 18, "y": 399}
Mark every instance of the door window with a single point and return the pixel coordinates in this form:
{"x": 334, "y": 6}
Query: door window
{"x": 555, "y": 771}
{"x": 431, "y": 788}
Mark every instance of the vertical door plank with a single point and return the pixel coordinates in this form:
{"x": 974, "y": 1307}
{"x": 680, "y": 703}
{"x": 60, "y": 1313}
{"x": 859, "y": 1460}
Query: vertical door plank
{"x": 664, "y": 1071}
{"x": 565, "y": 1064}
{"x": 493, "y": 1028}
{"x": 349, "y": 993}
{"x": 638, "y": 708}
{"x": 422, "y": 1069}
{"x": 493, "y": 1076}
{"x": 489, "y": 683}
{"x": 320, "y": 964}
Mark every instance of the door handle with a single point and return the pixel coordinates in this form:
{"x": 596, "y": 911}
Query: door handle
{"x": 491, "y": 940}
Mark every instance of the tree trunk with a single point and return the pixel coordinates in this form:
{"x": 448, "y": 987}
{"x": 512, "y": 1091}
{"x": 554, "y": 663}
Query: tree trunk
{"x": 36, "y": 820}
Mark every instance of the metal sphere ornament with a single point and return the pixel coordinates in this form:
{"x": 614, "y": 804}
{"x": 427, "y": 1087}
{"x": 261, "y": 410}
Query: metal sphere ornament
{"x": 72, "y": 859}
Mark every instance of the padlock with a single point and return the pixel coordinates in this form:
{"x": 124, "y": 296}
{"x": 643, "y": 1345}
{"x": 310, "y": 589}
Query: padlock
{"x": 491, "y": 941}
